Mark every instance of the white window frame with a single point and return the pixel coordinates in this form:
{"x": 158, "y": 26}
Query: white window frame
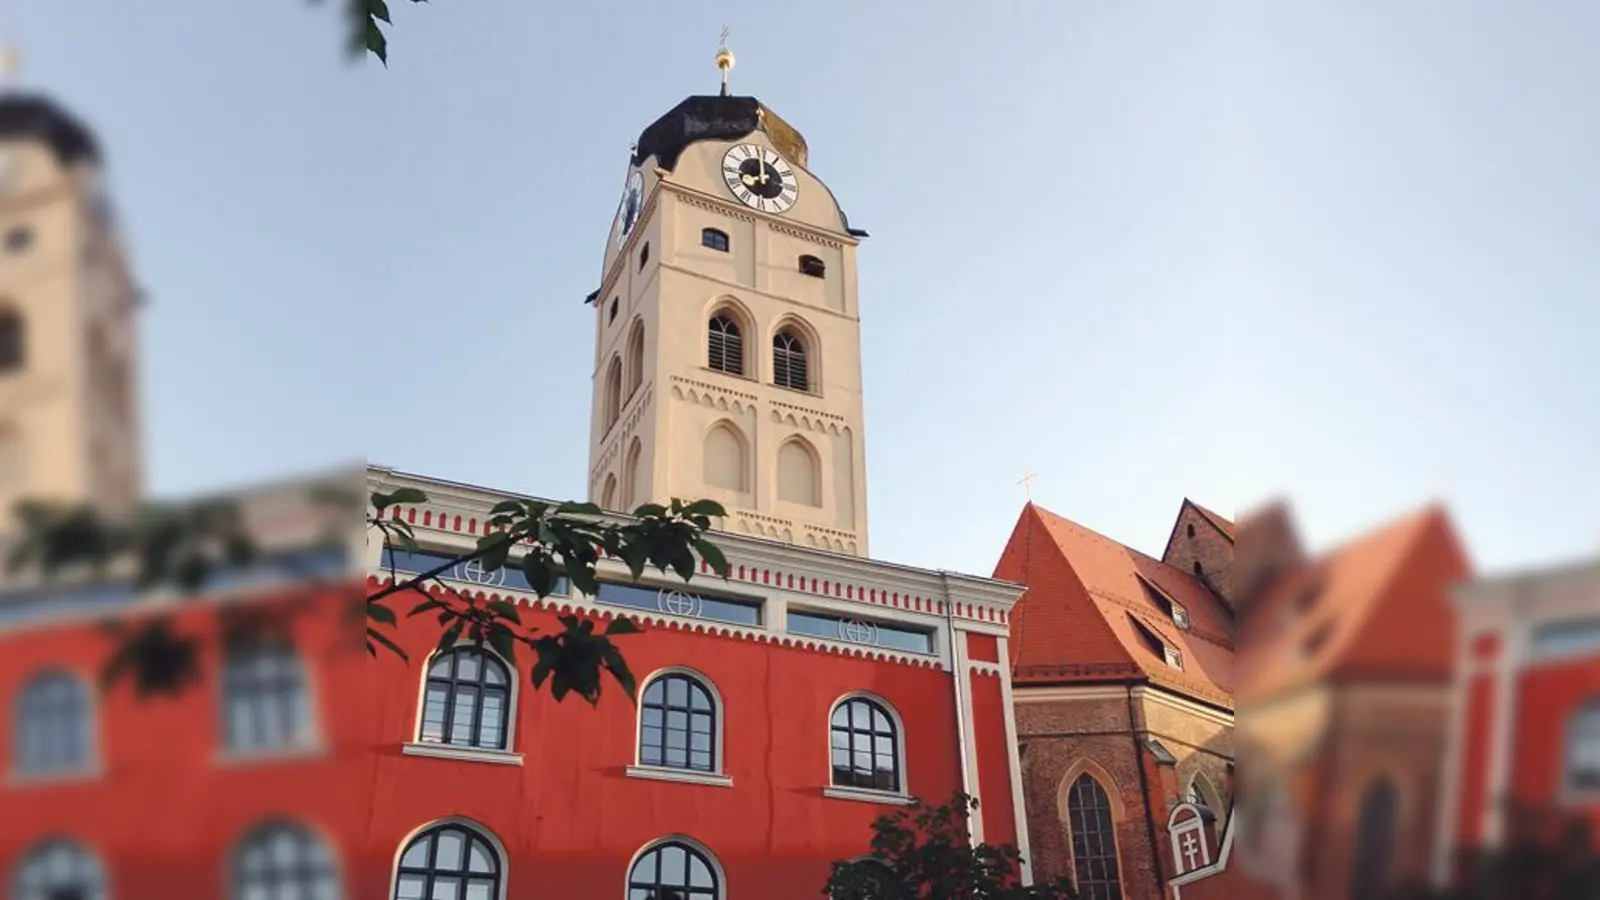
{"x": 415, "y": 746}
{"x": 719, "y": 776}
{"x": 900, "y": 797}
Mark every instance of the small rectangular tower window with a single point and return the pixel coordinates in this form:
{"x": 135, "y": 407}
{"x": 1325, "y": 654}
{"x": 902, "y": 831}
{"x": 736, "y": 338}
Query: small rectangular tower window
{"x": 644, "y": 255}
{"x": 716, "y": 240}
{"x": 810, "y": 265}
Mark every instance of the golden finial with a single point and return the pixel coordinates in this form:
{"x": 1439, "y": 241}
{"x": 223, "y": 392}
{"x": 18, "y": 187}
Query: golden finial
{"x": 724, "y": 60}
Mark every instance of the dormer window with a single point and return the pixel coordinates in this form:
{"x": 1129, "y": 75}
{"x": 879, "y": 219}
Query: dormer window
{"x": 716, "y": 240}
{"x": 810, "y": 265}
{"x": 1180, "y": 617}
{"x": 1175, "y": 658}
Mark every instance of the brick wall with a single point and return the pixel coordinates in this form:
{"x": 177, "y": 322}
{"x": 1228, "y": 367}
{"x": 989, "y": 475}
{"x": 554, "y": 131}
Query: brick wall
{"x": 1207, "y": 547}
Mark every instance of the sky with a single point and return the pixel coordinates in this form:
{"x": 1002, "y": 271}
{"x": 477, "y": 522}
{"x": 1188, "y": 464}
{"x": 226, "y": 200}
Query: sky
{"x": 1347, "y": 252}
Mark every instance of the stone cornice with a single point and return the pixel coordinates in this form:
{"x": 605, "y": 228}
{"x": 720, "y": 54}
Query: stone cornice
{"x": 889, "y": 589}
{"x": 788, "y": 226}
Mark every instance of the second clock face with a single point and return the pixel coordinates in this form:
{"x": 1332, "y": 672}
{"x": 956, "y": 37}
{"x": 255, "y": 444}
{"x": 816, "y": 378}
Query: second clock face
{"x": 628, "y": 210}
{"x": 760, "y": 178}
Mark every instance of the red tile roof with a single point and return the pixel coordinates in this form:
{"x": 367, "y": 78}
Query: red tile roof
{"x": 1076, "y": 621}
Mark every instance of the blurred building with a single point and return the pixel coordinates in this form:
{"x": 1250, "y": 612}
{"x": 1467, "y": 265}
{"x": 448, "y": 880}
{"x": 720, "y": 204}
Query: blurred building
{"x": 779, "y": 713}
{"x": 1525, "y": 707}
{"x": 1123, "y": 669}
{"x": 1344, "y": 676}
{"x": 69, "y": 420}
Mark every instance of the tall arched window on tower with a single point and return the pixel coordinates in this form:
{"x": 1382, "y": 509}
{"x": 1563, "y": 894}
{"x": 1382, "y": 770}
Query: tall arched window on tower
{"x": 1094, "y": 840}
{"x": 13, "y": 340}
{"x": 633, "y": 477}
{"x": 798, "y": 479}
{"x": 613, "y": 397}
{"x": 725, "y": 345}
{"x": 1375, "y": 838}
{"x": 724, "y": 460}
{"x": 635, "y": 357}
{"x": 789, "y": 361}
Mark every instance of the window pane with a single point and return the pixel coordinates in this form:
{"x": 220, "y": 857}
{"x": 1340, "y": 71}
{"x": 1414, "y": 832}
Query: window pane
{"x": 410, "y": 887}
{"x": 449, "y": 854}
{"x": 446, "y": 888}
{"x": 677, "y": 692}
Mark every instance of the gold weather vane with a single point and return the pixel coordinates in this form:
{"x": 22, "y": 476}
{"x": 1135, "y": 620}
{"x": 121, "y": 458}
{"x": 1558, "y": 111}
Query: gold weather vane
{"x": 724, "y": 59}
{"x": 1027, "y": 483}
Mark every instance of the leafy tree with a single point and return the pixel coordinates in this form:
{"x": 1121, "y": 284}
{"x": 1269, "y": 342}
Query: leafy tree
{"x": 184, "y": 546}
{"x": 925, "y": 853}
{"x": 365, "y": 34}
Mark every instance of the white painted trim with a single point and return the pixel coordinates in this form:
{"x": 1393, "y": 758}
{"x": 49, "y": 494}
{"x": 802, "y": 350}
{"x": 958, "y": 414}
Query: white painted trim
{"x": 966, "y": 747}
{"x": 1512, "y": 652}
{"x": 1218, "y": 866}
{"x": 1019, "y": 810}
{"x": 477, "y": 828}
{"x": 687, "y": 776}
{"x": 702, "y": 849}
{"x": 864, "y": 795}
{"x": 901, "y": 738}
{"x": 512, "y": 698}
{"x": 226, "y": 758}
{"x": 719, "y": 716}
{"x": 465, "y": 754}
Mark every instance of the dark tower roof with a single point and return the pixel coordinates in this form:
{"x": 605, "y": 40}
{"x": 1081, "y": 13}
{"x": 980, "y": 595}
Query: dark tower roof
{"x": 715, "y": 118}
{"x": 36, "y": 117}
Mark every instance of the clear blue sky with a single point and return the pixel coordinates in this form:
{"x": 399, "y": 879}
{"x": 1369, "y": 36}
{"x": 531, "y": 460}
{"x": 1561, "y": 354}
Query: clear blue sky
{"x": 1346, "y": 251}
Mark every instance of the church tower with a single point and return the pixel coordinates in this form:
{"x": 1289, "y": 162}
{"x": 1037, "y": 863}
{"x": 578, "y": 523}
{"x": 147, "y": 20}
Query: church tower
{"x": 727, "y": 331}
{"x": 69, "y": 428}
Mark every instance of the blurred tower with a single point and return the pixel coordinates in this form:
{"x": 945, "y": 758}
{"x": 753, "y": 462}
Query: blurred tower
{"x": 69, "y": 426}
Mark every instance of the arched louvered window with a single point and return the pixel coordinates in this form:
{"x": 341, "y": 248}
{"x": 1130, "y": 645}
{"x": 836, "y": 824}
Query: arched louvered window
{"x": 449, "y": 862}
{"x": 678, "y": 724}
{"x": 613, "y": 395}
{"x": 789, "y": 362}
{"x": 52, "y": 725}
{"x": 865, "y": 746}
{"x": 1094, "y": 840}
{"x": 13, "y": 341}
{"x": 810, "y": 265}
{"x": 674, "y": 870}
{"x": 264, "y": 698}
{"x": 1583, "y": 748}
{"x": 635, "y": 358}
{"x": 716, "y": 240}
{"x": 725, "y": 345}
{"x": 1375, "y": 838}
{"x": 59, "y": 870}
{"x": 467, "y": 701}
{"x": 282, "y": 861}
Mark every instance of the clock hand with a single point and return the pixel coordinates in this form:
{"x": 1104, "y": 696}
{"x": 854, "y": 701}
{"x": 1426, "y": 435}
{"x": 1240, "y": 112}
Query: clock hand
{"x": 749, "y": 180}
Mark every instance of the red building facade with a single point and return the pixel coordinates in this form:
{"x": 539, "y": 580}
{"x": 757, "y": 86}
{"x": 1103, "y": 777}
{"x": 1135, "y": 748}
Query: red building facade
{"x": 780, "y": 712}
{"x": 1526, "y": 710}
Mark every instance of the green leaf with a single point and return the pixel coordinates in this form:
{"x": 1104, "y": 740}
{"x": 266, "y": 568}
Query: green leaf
{"x": 583, "y": 578}
{"x": 377, "y": 44}
{"x": 575, "y": 508}
{"x": 380, "y": 613}
{"x": 712, "y": 554}
{"x": 650, "y": 511}
{"x": 622, "y": 625}
{"x": 378, "y": 10}
{"x": 635, "y": 555}
{"x": 709, "y": 508}
{"x": 506, "y": 507}
{"x": 505, "y": 609}
{"x": 381, "y": 638}
{"x": 496, "y": 548}
{"x": 450, "y": 636}
{"x": 683, "y": 564}
{"x": 424, "y": 606}
{"x": 501, "y": 639}
{"x": 614, "y": 663}
{"x": 540, "y": 574}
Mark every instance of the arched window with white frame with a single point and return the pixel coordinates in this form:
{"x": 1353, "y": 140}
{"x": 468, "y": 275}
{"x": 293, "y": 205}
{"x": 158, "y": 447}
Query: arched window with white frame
{"x": 467, "y": 698}
{"x": 265, "y": 703}
{"x": 53, "y": 725}
{"x": 676, "y": 868}
{"x": 1583, "y": 748}
{"x": 59, "y": 869}
{"x": 451, "y": 860}
{"x": 282, "y": 861}
{"x": 680, "y": 722}
{"x": 866, "y": 745}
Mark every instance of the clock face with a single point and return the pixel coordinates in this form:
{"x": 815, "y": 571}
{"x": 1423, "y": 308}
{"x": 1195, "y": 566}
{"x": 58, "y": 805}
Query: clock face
{"x": 628, "y": 211}
{"x": 760, "y": 178}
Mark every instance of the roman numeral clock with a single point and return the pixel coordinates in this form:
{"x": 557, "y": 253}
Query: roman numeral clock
{"x": 760, "y": 178}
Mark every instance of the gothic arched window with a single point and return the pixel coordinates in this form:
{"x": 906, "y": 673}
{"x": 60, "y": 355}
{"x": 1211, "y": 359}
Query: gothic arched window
{"x": 789, "y": 362}
{"x": 467, "y": 701}
{"x": 674, "y": 870}
{"x": 613, "y": 395}
{"x": 449, "y": 862}
{"x": 1375, "y": 838}
{"x": 678, "y": 726}
{"x": 1094, "y": 840}
{"x": 725, "y": 345}
{"x": 865, "y": 746}
{"x": 282, "y": 861}
{"x": 635, "y": 357}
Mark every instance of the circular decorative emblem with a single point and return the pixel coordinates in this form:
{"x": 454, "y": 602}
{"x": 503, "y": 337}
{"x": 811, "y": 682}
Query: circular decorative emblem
{"x": 678, "y": 603}
{"x": 857, "y": 632}
{"x": 472, "y": 570}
